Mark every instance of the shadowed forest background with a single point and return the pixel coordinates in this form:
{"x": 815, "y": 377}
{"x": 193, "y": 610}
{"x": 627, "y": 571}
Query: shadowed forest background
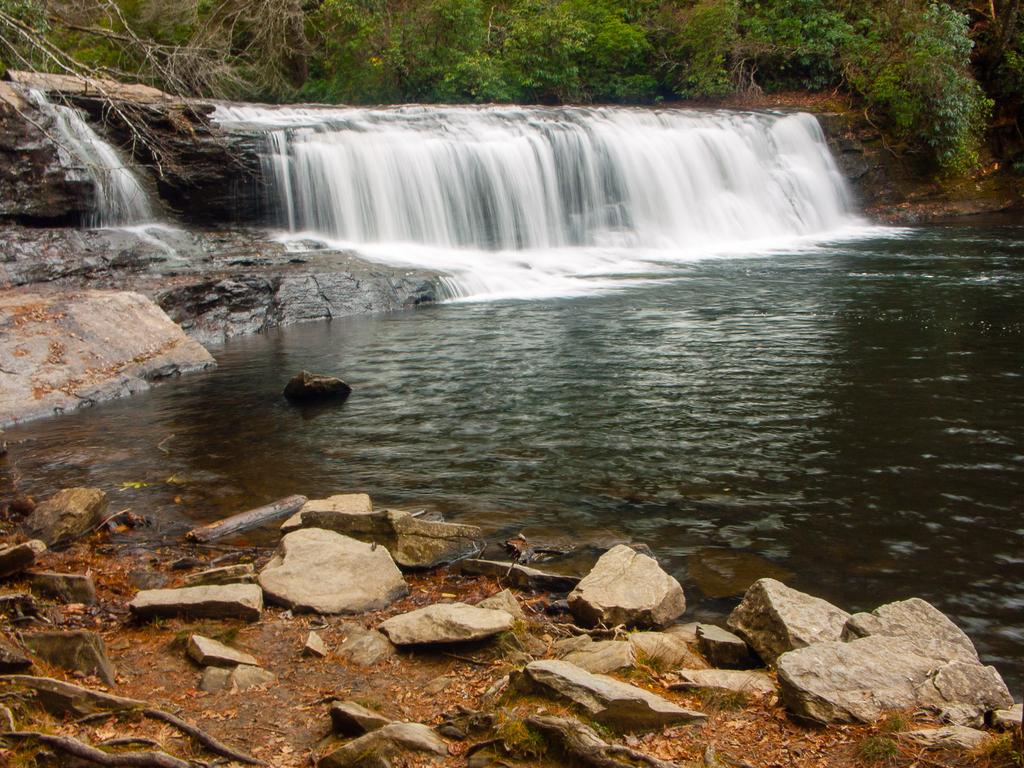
{"x": 939, "y": 77}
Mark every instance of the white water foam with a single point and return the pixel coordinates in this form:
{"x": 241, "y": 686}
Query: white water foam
{"x": 526, "y": 202}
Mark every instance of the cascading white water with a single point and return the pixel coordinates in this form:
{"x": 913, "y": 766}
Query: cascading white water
{"x": 120, "y": 197}
{"x": 516, "y": 201}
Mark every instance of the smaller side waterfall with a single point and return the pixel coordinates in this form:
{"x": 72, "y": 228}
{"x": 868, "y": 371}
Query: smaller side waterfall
{"x": 120, "y": 196}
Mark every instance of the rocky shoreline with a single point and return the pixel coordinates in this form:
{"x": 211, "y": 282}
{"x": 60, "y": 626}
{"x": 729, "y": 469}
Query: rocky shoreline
{"x": 371, "y": 637}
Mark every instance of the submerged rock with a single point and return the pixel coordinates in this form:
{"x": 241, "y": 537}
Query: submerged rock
{"x": 426, "y": 544}
{"x": 306, "y": 387}
{"x": 606, "y": 700}
{"x": 67, "y": 515}
{"x": 860, "y": 680}
{"x": 774, "y": 618}
{"x": 726, "y": 572}
{"x": 629, "y": 588}
{"x": 228, "y": 601}
{"x": 445, "y": 623}
{"x": 325, "y": 572}
{"x": 76, "y": 651}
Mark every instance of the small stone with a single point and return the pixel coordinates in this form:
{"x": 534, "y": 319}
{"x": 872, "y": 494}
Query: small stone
{"x": 1007, "y": 719}
{"x": 306, "y": 387}
{"x": 437, "y": 685}
{"x": 240, "y": 678}
{"x": 325, "y": 572}
{"x": 953, "y": 737}
{"x": 6, "y": 720}
{"x": 215, "y": 679}
{"x": 67, "y": 515}
{"x": 17, "y": 557}
{"x": 733, "y": 680}
{"x": 11, "y": 658}
{"x": 724, "y": 649}
{"x": 503, "y": 601}
{"x": 626, "y": 587}
{"x": 445, "y": 623}
{"x": 774, "y": 618}
{"x": 385, "y": 742}
{"x": 351, "y": 719}
{"x": 210, "y": 653}
{"x": 228, "y": 601}
{"x": 243, "y": 573}
{"x": 76, "y": 651}
{"x": 364, "y": 647}
{"x": 68, "y": 587}
{"x": 314, "y": 646}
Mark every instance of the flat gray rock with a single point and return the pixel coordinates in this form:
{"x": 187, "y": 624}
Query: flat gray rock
{"x": 603, "y": 656}
{"x": 235, "y": 679}
{"x": 773, "y": 619}
{"x": 17, "y": 557}
{"x": 952, "y": 737}
{"x": 351, "y": 719}
{"x": 75, "y": 651}
{"x": 210, "y": 653}
{"x": 724, "y": 649}
{"x": 445, "y": 623}
{"x": 664, "y": 650}
{"x": 68, "y": 587}
{"x": 503, "y": 601}
{"x": 351, "y": 514}
{"x": 384, "y": 743}
{"x": 228, "y": 601}
{"x": 427, "y": 544}
{"x": 325, "y": 572}
{"x": 861, "y": 680}
{"x": 626, "y": 587}
{"x": 749, "y": 681}
{"x": 919, "y": 623}
{"x": 242, "y": 573}
{"x": 618, "y": 705}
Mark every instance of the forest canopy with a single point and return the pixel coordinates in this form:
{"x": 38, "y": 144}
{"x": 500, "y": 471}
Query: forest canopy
{"x": 934, "y": 74}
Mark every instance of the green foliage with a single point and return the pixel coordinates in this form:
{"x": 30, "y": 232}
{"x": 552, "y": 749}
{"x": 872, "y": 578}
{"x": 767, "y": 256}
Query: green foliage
{"x": 878, "y": 750}
{"x": 696, "y": 51}
{"x": 913, "y": 68}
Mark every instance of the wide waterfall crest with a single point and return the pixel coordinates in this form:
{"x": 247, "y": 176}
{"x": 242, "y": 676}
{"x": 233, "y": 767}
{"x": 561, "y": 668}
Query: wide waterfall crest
{"x": 120, "y": 197}
{"x": 482, "y": 192}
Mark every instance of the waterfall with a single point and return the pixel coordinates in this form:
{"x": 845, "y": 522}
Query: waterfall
{"x": 120, "y": 197}
{"x": 492, "y": 193}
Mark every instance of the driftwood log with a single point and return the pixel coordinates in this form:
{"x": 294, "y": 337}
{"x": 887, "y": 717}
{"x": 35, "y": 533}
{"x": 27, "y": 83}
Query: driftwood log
{"x": 581, "y": 744}
{"x": 245, "y": 521}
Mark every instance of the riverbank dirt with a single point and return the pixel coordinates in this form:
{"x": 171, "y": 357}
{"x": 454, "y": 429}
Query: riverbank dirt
{"x": 287, "y": 723}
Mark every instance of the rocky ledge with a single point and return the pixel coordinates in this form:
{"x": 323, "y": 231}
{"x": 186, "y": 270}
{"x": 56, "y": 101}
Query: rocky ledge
{"x": 430, "y": 667}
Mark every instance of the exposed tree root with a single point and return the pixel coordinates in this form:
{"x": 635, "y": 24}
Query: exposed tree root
{"x": 84, "y": 751}
{"x": 582, "y": 744}
{"x": 202, "y": 737}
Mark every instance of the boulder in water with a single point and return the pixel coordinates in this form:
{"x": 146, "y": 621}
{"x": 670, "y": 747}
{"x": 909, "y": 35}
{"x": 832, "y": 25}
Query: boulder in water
{"x": 306, "y": 387}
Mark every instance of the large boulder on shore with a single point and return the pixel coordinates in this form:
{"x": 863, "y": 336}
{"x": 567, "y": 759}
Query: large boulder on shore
{"x": 60, "y": 351}
{"x": 919, "y": 623}
{"x": 325, "y": 572}
{"x": 774, "y": 618}
{"x": 608, "y": 701}
{"x": 445, "y": 623}
{"x": 66, "y": 515}
{"x": 626, "y": 587}
{"x": 859, "y": 681}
